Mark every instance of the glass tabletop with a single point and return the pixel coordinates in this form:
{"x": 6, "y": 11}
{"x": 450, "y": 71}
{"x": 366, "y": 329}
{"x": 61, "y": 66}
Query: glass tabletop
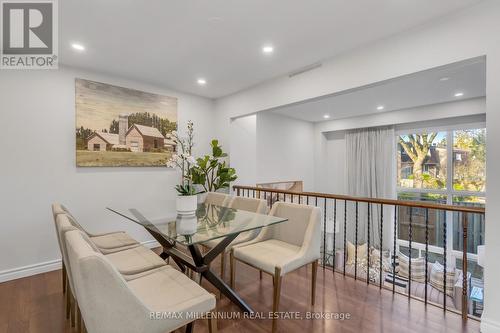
{"x": 207, "y": 223}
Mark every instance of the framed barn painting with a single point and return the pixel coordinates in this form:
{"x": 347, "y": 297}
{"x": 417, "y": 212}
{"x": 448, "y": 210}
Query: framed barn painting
{"x": 122, "y": 127}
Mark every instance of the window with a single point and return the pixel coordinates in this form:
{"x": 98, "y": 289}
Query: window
{"x": 97, "y": 146}
{"x": 447, "y": 167}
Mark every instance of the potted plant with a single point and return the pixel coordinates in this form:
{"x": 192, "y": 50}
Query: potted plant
{"x": 187, "y": 199}
{"x": 212, "y": 172}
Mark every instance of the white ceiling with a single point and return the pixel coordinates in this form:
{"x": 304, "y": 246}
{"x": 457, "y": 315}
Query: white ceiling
{"x": 423, "y": 88}
{"x": 172, "y": 43}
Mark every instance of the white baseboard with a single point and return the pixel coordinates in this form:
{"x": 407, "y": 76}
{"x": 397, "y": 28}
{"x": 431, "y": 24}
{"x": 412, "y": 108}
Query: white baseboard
{"x": 489, "y": 326}
{"x": 24, "y": 271}
{"x": 48, "y": 266}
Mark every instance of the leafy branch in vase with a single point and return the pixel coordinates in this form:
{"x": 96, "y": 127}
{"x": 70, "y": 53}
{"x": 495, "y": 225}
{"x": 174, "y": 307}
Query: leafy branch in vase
{"x": 212, "y": 172}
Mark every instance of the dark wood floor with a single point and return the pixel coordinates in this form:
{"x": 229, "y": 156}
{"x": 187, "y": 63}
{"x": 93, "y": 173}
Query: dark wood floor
{"x": 36, "y": 304}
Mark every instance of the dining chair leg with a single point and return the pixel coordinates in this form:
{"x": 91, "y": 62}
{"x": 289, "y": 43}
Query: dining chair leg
{"x": 64, "y": 278}
{"x": 232, "y": 268}
{"x": 68, "y": 304}
{"x": 72, "y": 311}
{"x": 212, "y": 323}
{"x": 276, "y": 296}
{"x": 313, "y": 286}
{"x": 189, "y": 327}
{"x": 78, "y": 319}
{"x": 222, "y": 264}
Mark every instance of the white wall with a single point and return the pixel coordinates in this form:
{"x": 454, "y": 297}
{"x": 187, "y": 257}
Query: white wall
{"x": 464, "y": 35}
{"x": 38, "y": 166}
{"x": 335, "y": 160}
{"x": 243, "y": 149}
{"x": 285, "y": 149}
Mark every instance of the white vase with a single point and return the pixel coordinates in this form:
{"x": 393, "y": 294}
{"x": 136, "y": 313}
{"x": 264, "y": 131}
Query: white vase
{"x": 186, "y": 224}
{"x": 186, "y": 204}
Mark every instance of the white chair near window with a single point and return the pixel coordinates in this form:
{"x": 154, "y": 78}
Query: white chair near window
{"x": 284, "y": 247}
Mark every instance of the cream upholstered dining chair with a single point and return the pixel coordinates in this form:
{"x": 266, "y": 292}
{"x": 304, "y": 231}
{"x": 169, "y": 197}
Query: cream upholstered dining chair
{"x": 284, "y": 247}
{"x": 218, "y": 199}
{"x": 258, "y": 206}
{"x": 160, "y": 301}
{"x": 131, "y": 263}
{"x": 107, "y": 242}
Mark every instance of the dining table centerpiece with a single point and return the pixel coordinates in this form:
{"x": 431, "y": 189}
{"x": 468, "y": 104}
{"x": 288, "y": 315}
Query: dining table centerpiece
{"x": 187, "y": 199}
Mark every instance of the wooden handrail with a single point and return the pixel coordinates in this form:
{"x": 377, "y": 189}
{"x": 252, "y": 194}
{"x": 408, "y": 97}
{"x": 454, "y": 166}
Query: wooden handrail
{"x": 393, "y": 202}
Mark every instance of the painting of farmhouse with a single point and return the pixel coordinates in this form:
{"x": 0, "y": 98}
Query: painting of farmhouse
{"x": 118, "y": 126}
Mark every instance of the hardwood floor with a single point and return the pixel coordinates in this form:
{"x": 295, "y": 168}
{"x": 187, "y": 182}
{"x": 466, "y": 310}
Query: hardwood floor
{"x": 36, "y": 304}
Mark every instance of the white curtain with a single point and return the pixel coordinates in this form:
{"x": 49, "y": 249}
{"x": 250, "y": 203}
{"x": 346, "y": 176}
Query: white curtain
{"x": 370, "y": 165}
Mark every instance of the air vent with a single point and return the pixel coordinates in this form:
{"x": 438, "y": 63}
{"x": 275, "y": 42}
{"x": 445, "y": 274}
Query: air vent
{"x": 305, "y": 69}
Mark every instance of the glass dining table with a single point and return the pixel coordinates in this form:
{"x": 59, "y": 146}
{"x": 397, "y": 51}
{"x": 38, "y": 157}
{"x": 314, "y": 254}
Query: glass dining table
{"x": 181, "y": 236}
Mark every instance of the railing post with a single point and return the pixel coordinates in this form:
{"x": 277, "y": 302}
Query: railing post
{"x": 465, "y": 224}
{"x": 410, "y": 236}
{"x": 334, "y": 233}
{"x": 368, "y": 244}
{"x": 426, "y": 251}
{"x": 356, "y": 245}
{"x": 445, "y": 254}
{"x": 394, "y": 249}
{"x": 324, "y": 236}
{"x": 345, "y": 233}
{"x": 381, "y": 243}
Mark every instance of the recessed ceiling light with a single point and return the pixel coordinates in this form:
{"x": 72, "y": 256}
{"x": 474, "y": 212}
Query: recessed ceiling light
{"x": 380, "y": 107}
{"x": 201, "y": 82}
{"x": 326, "y": 116}
{"x": 459, "y": 94}
{"x": 444, "y": 78}
{"x": 78, "y": 47}
{"x": 267, "y": 49}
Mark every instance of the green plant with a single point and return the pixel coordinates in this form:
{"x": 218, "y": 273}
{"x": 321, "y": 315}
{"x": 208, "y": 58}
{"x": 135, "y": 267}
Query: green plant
{"x": 212, "y": 172}
{"x": 185, "y": 190}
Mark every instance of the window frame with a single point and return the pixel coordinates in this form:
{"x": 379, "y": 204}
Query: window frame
{"x": 449, "y": 191}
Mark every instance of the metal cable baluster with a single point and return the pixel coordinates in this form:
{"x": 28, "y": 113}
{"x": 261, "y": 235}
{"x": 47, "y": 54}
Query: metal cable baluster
{"x": 409, "y": 256}
{"x": 345, "y": 232}
{"x": 324, "y": 235}
{"x": 334, "y": 232}
{"x": 381, "y": 241}
{"x": 368, "y": 242}
{"x": 465, "y": 225}
{"x": 426, "y": 251}
{"x": 444, "y": 260}
{"x": 394, "y": 250}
